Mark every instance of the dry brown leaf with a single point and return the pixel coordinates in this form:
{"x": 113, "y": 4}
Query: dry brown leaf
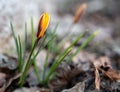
{"x": 57, "y": 84}
{"x": 97, "y": 79}
{"x": 103, "y": 64}
{"x": 13, "y": 78}
{"x": 65, "y": 73}
{"x": 112, "y": 74}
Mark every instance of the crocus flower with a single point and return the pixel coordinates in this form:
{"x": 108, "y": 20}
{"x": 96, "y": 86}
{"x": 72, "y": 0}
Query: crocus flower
{"x": 43, "y": 24}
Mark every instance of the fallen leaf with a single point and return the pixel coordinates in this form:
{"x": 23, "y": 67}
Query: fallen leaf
{"x": 112, "y": 74}
{"x": 103, "y": 64}
{"x": 65, "y": 73}
{"x": 97, "y": 79}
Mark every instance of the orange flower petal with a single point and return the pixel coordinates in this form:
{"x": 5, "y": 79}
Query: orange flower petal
{"x": 43, "y": 25}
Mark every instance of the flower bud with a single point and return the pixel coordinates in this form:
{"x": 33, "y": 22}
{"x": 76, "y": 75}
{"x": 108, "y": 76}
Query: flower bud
{"x": 43, "y": 25}
{"x": 79, "y": 12}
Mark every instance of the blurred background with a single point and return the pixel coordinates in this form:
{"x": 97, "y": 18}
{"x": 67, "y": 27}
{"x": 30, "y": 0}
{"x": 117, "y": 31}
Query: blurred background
{"x": 103, "y": 15}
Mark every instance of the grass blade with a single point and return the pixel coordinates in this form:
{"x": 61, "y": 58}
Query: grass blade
{"x": 15, "y": 39}
{"x": 33, "y": 55}
{"x": 27, "y": 64}
{"x": 20, "y": 54}
{"x": 52, "y": 37}
{"x": 62, "y": 56}
{"x": 84, "y": 44}
{"x": 56, "y": 64}
{"x": 32, "y": 32}
{"x": 18, "y": 47}
{"x": 25, "y": 42}
{"x": 76, "y": 40}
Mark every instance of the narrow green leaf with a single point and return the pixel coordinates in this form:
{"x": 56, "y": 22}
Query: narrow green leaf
{"x": 12, "y": 29}
{"x": 15, "y": 39}
{"x": 27, "y": 64}
{"x": 33, "y": 55}
{"x": 56, "y": 64}
{"x": 40, "y": 47}
{"x": 32, "y": 32}
{"x": 83, "y": 45}
{"x": 20, "y": 55}
{"x": 77, "y": 39}
{"x": 63, "y": 55}
{"x": 52, "y": 37}
{"x": 18, "y": 47}
{"x": 25, "y": 41}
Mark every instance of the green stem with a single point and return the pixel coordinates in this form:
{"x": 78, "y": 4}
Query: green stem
{"x": 40, "y": 47}
{"x": 27, "y": 65}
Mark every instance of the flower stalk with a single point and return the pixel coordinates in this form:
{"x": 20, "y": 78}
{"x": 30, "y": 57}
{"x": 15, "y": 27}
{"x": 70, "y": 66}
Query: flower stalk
{"x": 42, "y": 27}
{"x": 28, "y": 63}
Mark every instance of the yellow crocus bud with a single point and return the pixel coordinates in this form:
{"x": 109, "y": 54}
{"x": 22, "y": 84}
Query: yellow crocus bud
{"x": 79, "y": 12}
{"x": 43, "y": 24}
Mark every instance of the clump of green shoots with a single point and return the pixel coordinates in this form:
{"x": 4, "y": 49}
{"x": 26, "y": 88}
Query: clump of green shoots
{"x": 48, "y": 73}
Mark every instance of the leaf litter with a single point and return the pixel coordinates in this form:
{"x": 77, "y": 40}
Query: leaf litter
{"x": 99, "y": 73}
{"x": 90, "y": 71}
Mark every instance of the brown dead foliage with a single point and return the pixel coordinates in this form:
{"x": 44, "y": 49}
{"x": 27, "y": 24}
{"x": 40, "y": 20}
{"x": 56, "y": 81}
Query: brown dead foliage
{"x": 97, "y": 79}
{"x": 103, "y": 64}
{"x": 65, "y": 73}
{"x": 8, "y": 72}
{"x": 6, "y": 79}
